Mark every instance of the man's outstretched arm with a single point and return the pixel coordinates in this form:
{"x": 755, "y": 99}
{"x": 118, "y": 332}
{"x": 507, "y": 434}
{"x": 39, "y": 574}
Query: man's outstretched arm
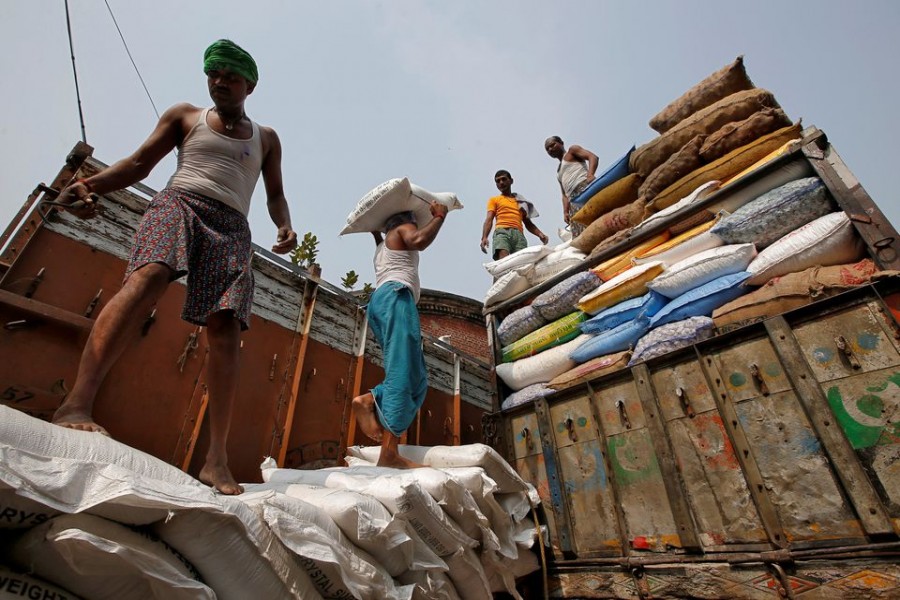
{"x": 279, "y": 212}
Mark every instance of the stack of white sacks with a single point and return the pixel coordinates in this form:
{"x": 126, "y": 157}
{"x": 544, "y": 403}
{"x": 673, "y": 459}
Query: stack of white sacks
{"x": 82, "y": 515}
{"x": 525, "y": 269}
{"x": 665, "y": 300}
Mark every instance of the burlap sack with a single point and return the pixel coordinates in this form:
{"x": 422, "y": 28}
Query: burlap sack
{"x": 724, "y": 82}
{"x": 735, "y": 107}
{"x": 794, "y": 290}
{"x": 620, "y": 193}
{"x": 610, "y": 242}
{"x": 688, "y": 223}
{"x": 724, "y": 167}
{"x": 676, "y": 166}
{"x": 612, "y": 222}
{"x": 740, "y": 133}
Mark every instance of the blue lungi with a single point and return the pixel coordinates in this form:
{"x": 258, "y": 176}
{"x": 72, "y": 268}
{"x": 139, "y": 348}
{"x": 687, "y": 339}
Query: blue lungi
{"x": 394, "y": 321}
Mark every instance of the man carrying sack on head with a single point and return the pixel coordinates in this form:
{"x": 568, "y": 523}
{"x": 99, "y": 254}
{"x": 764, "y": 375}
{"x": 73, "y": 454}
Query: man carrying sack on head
{"x": 197, "y": 226}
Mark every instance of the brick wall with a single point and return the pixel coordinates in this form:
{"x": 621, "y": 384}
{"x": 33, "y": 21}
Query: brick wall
{"x": 442, "y": 313}
{"x": 469, "y": 337}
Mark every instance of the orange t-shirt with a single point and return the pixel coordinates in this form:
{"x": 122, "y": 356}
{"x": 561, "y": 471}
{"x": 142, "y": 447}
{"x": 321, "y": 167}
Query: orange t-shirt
{"x": 506, "y": 211}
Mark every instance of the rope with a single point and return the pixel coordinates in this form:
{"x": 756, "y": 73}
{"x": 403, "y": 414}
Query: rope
{"x": 75, "y": 75}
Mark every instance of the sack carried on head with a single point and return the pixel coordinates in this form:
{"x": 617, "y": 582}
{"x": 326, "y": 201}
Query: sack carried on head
{"x": 392, "y": 197}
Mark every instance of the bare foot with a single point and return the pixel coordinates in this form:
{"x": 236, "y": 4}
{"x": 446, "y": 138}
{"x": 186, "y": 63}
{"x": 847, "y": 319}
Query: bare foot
{"x": 364, "y": 408}
{"x": 220, "y": 477}
{"x": 395, "y": 461}
{"x": 72, "y": 419}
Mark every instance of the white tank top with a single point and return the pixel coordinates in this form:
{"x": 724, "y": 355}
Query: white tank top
{"x": 570, "y": 175}
{"x": 397, "y": 265}
{"x": 218, "y": 166}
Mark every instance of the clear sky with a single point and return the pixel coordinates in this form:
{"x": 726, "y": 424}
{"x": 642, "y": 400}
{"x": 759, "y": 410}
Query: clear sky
{"x": 443, "y": 92}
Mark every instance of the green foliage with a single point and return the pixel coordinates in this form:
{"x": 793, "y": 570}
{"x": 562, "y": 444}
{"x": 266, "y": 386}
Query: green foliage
{"x": 305, "y": 254}
{"x": 366, "y": 292}
{"x": 349, "y": 280}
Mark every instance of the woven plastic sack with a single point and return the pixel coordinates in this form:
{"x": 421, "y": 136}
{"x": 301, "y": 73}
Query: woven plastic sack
{"x": 550, "y": 335}
{"x": 740, "y": 133}
{"x": 682, "y": 246}
{"x": 725, "y": 167}
{"x": 611, "y": 174}
{"x": 97, "y": 558}
{"x": 555, "y": 263}
{"x": 16, "y": 586}
{"x": 519, "y": 323}
{"x": 630, "y": 284}
{"x": 608, "y": 224}
{"x": 507, "y": 286}
{"x": 702, "y": 268}
{"x": 657, "y": 218}
{"x": 392, "y": 197}
{"x": 561, "y": 299}
{"x": 540, "y": 368}
{"x": 735, "y": 107}
{"x": 829, "y": 240}
{"x": 617, "y": 339}
{"x": 596, "y": 367}
{"x": 671, "y": 337}
{"x": 526, "y": 396}
{"x": 775, "y": 214}
{"x": 622, "y": 262}
{"x": 648, "y": 305}
{"x": 515, "y": 261}
{"x": 702, "y": 301}
{"x": 733, "y": 197}
{"x": 726, "y": 81}
{"x": 620, "y": 193}
{"x": 674, "y": 168}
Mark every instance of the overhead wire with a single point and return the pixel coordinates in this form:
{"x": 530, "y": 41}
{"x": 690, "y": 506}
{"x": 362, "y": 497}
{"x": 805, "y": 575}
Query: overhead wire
{"x": 128, "y": 51}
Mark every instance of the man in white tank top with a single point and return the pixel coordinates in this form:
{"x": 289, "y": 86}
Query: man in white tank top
{"x": 222, "y": 153}
{"x": 576, "y": 170}
{"x": 386, "y": 412}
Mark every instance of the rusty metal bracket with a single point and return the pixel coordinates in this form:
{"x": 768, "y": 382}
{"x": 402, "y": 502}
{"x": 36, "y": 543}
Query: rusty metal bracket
{"x": 148, "y": 323}
{"x": 272, "y": 368}
{"x": 623, "y": 414}
{"x": 758, "y": 378}
{"x": 685, "y": 402}
{"x": 92, "y": 305}
{"x": 526, "y": 436}
{"x": 845, "y": 349}
{"x": 570, "y": 429}
{"x": 33, "y": 286}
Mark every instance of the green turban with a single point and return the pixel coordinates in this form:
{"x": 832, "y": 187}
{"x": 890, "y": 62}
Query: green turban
{"x": 226, "y": 54}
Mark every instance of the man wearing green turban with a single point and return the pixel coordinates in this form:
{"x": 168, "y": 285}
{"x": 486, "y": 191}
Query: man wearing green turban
{"x": 197, "y": 226}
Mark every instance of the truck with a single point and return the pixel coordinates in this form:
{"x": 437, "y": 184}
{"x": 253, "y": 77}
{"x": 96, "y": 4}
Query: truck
{"x": 759, "y": 463}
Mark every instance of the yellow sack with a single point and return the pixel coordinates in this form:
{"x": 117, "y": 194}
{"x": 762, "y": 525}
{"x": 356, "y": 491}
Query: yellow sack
{"x": 556, "y": 333}
{"x": 612, "y": 267}
{"x": 620, "y": 193}
{"x": 630, "y": 284}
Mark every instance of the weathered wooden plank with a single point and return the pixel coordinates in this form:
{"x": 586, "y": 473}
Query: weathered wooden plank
{"x": 715, "y": 487}
{"x": 533, "y": 470}
{"x": 868, "y": 345}
{"x": 554, "y": 477}
{"x": 751, "y": 369}
{"x": 671, "y": 476}
{"x": 858, "y": 488}
{"x": 768, "y": 515}
{"x": 794, "y": 468}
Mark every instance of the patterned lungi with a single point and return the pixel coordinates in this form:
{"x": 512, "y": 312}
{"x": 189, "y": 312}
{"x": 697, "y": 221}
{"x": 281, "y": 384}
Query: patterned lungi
{"x": 205, "y": 239}
{"x": 394, "y": 321}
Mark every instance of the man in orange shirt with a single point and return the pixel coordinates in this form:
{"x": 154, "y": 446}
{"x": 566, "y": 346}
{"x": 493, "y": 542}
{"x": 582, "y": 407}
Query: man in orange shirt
{"x": 511, "y": 210}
